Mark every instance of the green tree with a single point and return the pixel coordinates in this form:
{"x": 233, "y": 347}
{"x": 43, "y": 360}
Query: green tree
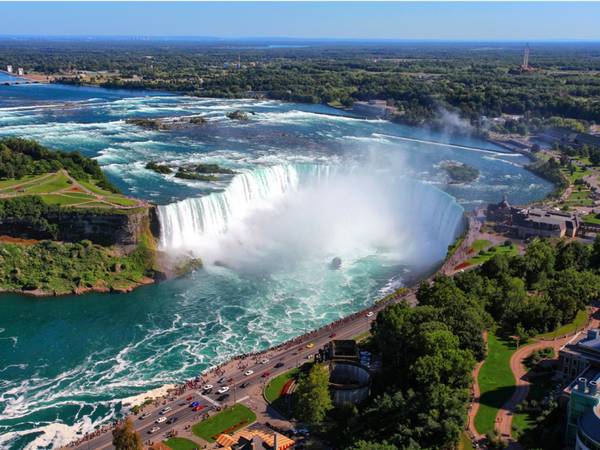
{"x": 313, "y": 400}
{"x": 126, "y": 438}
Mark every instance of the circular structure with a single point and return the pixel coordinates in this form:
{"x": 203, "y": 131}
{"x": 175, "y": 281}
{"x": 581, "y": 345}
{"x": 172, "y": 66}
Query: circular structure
{"x": 349, "y": 382}
{"x": 588, "y": 434}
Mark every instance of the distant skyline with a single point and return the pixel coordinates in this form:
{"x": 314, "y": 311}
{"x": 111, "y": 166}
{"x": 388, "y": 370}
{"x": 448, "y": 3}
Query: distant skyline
{"x": 483, "y": 21}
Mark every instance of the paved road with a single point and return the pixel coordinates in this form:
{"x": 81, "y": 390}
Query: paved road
{"x": 287, "y": 358}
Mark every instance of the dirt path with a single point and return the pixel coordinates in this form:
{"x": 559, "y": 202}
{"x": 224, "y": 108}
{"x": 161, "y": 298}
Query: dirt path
{"x": 475, "y": 403}
{"x": 505, "y": 414}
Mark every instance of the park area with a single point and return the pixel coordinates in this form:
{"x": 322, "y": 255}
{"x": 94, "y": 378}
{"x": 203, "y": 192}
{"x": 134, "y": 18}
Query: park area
{"x": 177, "y": 443}
{"x": 496, "y": 382}
{"x": 60, "y": 188}
{"x": 227, "y": 421}
{"x": 482, "y": 251}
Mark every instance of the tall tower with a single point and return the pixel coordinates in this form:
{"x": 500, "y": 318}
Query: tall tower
{"x": 525, "y": 65}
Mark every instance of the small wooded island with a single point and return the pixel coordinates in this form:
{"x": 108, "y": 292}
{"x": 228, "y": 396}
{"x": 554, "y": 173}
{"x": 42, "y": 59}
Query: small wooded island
{"x": 64, "y": 228}
{"x": 198, "y": 172}
{"x": 459, "y": 172}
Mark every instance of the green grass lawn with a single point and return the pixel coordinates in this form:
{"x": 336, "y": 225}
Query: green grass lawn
{"x": 464, "y": 443}
{"x": 230, "y": 419}
{"x": 496, "y": 382}
{"x": 592, "y": 218}
{"x": 52, "y": 184}
{"x": 577, "y": 174}
{"x": 121, "y": 201}
{"x": 64, "y": 200}
{"x": 5, "y": 184}
{"x": 509, "y": 250}
{"x": 480, "y": 244}
{"x": 178, "y": 443}
{"x": 273, "y": 389}
{"x": 580, "y": 198}
{"x": 579, "y": 321}
{"x": 95, "y": 189}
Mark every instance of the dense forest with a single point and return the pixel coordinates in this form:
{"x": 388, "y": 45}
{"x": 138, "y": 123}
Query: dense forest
{"x": 424, "y": 81}
{"x": 428, "y": 351}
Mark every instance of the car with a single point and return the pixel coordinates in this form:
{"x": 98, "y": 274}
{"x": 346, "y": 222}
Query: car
{"x": 370, "y": 314}
{"x": 265, "y": 374}
{"x": 172, "y": 420}
{"x": 153, "y": 430}
{"x": 223, "y": 397}
{"x": 230, "y": 380}
{"x": 332, "y": 335}
{"x": 194, "y": 404}
{"x": 309, "y": 356}
{"x": 248, "y": 372}
{"x": 207, "y": 387}
{"x": 191, "y": 397}
{"x": 223, "y": 389}
{"x": 279, "y": 364}
{"x": 161, "y": 419}
{"x": 198, "y": 408}
{"x": 244, "y": 385}
{"x": 221, "y": 380}
{"x": 310, "y": 345}
{"x": 165, "y": 410}
{"x": 264, "y": 361}
{"x": 145, "y": 415}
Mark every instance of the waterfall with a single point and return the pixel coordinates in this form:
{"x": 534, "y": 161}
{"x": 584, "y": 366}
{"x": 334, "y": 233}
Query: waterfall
{"x": 190, "y": 223}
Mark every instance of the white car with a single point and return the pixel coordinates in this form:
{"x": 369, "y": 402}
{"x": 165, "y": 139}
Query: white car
{"x": 153, "y": 430}
{"x": 207, "y": 387}
{"x": 248, "y": 372}
{"x": 309, "y": 356}
{"x": 370, "y": 314}
{"x": 165, "y": 410}
{"x": 223, "y": 389}
{"x": 161, "y": 419}
{"x": 145, "y": 415}
{"x": 264, "y": 361}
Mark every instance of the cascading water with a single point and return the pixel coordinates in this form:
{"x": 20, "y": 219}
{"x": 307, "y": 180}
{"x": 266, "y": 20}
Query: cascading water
{"x": 191, "y": 223}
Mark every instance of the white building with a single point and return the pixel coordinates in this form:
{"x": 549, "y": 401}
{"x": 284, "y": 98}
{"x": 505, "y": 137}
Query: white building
{"x": 9, "y": 69}
{"x": 20, "y": 71}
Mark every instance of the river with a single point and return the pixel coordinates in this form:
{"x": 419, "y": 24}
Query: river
{"x": 309, "y": 186}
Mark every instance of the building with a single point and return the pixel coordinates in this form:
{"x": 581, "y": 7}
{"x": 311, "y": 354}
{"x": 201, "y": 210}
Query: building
{"x": 255, "y": 438}
{"x": 532, "y": 222}
{"x": 583, "y": 414}
{"x": 374, "y": 108}
{"x": 9, "y": 68}
{"x": 349, "y": 373}
{"x": 576, "y": 357}
{"x": 20, "y": 71}
{"x": 540, "y": 222}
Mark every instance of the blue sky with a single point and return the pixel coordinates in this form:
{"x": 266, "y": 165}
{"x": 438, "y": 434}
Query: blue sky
{"x": 438, "y": 21}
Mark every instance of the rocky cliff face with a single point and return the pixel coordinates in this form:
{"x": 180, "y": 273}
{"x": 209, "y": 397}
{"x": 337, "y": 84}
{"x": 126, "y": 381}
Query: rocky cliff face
{"x": 119, "y": 227}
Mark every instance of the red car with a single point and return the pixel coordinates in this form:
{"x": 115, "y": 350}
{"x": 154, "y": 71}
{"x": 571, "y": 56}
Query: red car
{"x": 189, "y": 398}
{"x": 265, "y": 375}
{"x": 198, "y": 408}
{"x": 332, "y": 335}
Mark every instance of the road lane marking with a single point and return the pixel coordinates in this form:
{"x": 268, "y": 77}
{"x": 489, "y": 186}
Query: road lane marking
{"x": 242, "y": 399}
{"x": 210, "y": 400}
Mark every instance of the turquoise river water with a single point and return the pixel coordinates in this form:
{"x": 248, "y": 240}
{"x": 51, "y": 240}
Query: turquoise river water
{"x": 311, "y": 184}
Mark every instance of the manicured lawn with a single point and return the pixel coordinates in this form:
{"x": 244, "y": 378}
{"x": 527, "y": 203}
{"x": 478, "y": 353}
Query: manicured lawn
{"x": 52, "y": 184}
{"x": 229, "y": 420}
{"x": 122, "y": 201}
{"x": 577, "y": 174}
{"x": 178, "y": 443}
{"x": 508, "y": 250}
{"x": 5, "y": 184}
{"x": 273, "y": 389}
{"x": 479, "y": 245}
{"x": 592, "y": 218}
{"x": 92, "y": 187}
{"x": 58, "y": 199}
{"x": 578, "y": 322}
{"x": 580, "y": 198}
{"x": 496, "y": 382}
